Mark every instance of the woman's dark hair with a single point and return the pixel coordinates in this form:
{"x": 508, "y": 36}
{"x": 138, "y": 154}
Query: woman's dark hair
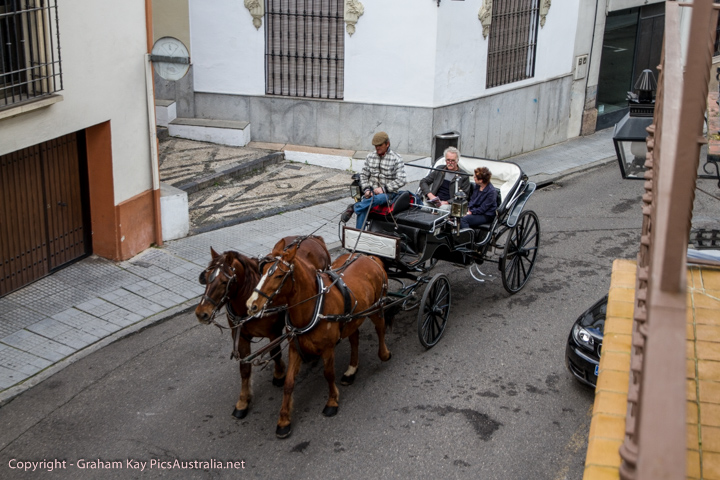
{"x": 483, "y": 173}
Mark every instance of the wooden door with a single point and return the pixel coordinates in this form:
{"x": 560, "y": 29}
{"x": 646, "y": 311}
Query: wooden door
{"x": 42, "y": 211}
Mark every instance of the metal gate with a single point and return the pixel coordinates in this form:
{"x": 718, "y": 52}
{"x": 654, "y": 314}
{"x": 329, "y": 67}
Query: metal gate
{"x": 43, "y": 191}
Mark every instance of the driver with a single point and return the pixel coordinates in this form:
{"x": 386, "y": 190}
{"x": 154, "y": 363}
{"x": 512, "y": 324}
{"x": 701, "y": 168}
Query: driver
{"x": 381, "y": 178}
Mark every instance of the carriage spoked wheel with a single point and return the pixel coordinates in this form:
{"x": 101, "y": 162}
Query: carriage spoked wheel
{"x": 520, "y": 252}
{"x": 434, "y": 310}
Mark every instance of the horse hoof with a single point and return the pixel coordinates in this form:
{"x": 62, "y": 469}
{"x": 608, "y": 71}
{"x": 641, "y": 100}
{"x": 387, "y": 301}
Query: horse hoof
{"x": 347, "y": 379}
{"x": 330, "y": 411}
{"x": 278, "y": 382}
{"x": 240, "y": 413}
{"x": 283, "y": 432}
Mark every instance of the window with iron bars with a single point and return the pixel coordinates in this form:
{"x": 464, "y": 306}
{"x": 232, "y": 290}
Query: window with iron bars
{"x": 512, "y": 43}
{"x": 29, "y": 50}
{"x": 304, "y": 48}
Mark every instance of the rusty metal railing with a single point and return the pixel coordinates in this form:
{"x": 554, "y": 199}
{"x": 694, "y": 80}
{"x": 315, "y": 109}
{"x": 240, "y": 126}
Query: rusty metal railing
{"x": 655, "y": 441}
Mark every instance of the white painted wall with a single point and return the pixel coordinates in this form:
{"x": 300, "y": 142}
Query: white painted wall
{"x": 556, "y": 40}
{"x": 404, "y": 52}
{"x": 613, "y": 5}
{"x": 584, "y": 34}
{"x": 228, "y": 52}
{"x": 103, "y": 46}
{"x": 391, "y": 57}
{"x": 461, "y": 53}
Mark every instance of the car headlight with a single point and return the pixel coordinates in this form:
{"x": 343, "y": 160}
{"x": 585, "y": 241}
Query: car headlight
{"x": 583, "y": 338}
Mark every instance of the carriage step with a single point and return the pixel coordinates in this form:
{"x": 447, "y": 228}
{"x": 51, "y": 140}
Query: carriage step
{"x": 224, "y": 132}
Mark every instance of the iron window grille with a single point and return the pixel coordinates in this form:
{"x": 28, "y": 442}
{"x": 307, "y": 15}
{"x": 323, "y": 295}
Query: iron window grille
{"x": 513, "y": 41}
{"x": 304, "y": 48}
{"x": 29, "y": 50}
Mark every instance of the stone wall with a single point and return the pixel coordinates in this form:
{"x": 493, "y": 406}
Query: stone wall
{"x": 496, "y": 126}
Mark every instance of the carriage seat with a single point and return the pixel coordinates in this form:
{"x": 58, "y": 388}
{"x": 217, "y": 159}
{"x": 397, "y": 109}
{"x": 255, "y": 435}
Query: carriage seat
{"x": 400, "y": 203}
{"x": 505, "y": 175}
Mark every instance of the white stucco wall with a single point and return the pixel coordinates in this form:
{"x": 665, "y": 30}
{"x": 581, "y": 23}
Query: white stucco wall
{"x": 228, "y": 52}
{"x": 391, "y": 57}
{"x": 103, "y": 43}
{"x": 613, "y": 5}
{"x": 462, "y": 51}
{"x": 584, "y": 45}
{"x": 404, "y": 52}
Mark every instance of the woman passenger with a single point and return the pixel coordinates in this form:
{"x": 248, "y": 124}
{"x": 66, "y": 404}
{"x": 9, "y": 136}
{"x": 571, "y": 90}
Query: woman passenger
{"x": 483, "y": 202}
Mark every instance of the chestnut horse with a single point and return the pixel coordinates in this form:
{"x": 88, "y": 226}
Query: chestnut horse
{"x": 351, "y": 291}
{"x": 230, "y": 279}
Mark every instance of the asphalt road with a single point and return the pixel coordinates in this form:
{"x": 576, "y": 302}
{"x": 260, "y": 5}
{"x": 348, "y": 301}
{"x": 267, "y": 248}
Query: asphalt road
{"x": 493, "y": 400}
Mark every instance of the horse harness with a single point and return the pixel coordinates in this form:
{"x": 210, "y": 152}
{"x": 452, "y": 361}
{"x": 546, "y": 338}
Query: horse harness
{"x": 234, "y": 319}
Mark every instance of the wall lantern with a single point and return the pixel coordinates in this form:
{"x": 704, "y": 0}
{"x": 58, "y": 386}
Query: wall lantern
{"x": 630, "y": 132}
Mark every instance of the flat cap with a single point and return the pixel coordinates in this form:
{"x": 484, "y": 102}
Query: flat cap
{"x": 379, "y": 138}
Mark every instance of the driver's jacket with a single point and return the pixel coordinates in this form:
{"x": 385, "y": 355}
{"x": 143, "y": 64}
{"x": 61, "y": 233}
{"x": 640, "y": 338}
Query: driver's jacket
{"x": 387, "y": 172}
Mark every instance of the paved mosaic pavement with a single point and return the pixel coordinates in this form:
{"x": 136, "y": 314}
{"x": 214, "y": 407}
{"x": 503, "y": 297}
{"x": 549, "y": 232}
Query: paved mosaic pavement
{"x": 73, "y": 311}
{"x": 184, "y": 160}
{"x": 282, "y": 187}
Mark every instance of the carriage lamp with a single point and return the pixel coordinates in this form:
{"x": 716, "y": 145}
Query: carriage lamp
{"x": 459, "y": 206}
{"x": 355, "y": 192}
{"x": 630, "y": 132}
{"x": 630, "y": 147}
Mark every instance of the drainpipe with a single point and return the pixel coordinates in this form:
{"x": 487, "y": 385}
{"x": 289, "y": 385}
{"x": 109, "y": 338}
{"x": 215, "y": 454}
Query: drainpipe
{"x": 154, "y": 148}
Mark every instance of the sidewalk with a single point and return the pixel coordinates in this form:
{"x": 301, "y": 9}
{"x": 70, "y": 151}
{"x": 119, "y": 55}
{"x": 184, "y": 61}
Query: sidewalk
{"x": 61, "y": 318}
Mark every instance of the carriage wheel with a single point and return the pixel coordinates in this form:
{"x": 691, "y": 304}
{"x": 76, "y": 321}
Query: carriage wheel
{"x": 434, "y": 310}
{"x": 520, "y": 251}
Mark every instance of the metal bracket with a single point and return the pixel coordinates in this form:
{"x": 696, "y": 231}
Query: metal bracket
{"x": 167, "y": 59}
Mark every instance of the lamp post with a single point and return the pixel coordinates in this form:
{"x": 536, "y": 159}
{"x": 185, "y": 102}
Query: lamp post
{"x": 630, "y": 132}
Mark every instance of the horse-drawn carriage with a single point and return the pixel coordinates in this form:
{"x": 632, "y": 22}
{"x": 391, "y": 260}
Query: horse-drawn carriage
{"x": 411, "y": 237}
{"x": 297, "y": 297}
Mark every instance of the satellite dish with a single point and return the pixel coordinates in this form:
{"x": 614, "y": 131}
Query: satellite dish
{"x": 170, "y": 58}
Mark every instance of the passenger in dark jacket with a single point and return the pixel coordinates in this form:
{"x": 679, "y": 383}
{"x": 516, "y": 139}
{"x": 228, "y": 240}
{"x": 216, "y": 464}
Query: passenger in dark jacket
{"x": 438, "y": 187}
{"x": 483, "y": 202}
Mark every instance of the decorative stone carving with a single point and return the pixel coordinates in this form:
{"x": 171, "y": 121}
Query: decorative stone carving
{"x": 485, "y": 16}
{"x": 257, "y": 10}
{"x": 544, "y": 9}
{"x": 353, "y": 11}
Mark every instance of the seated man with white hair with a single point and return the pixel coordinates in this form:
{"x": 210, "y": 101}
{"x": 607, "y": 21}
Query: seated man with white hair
{"x": 440, "y": 186}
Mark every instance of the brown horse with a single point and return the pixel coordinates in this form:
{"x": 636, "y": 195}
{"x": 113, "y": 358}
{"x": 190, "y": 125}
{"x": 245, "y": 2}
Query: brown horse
{"x": 317, "y": 324}
{"x": 230, "y": 279}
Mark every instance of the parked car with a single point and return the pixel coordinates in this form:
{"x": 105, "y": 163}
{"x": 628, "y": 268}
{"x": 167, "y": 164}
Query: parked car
{"x": 582, "y": 354}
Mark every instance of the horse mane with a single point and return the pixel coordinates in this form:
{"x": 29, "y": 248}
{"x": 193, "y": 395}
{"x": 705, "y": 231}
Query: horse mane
{"x": 251, "y": 269}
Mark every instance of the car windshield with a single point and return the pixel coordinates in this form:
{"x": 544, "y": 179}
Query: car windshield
{"x": 594, "y": 319}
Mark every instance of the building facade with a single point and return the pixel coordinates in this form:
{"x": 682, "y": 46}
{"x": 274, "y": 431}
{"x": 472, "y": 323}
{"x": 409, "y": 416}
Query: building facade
{"x": 77, "y": 171}
{"x": 329, "y": 73}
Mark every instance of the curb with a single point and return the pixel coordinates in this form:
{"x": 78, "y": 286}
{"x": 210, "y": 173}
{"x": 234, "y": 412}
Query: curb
{"x": 233, "y": 172}
{"x": 544, "y": 179}
{"x": 6, "y": 396}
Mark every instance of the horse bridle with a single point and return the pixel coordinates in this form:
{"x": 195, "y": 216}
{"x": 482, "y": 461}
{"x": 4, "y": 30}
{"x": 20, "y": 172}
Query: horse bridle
{"x": 271, "y": 271}
{"x": 226, "y": 296}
